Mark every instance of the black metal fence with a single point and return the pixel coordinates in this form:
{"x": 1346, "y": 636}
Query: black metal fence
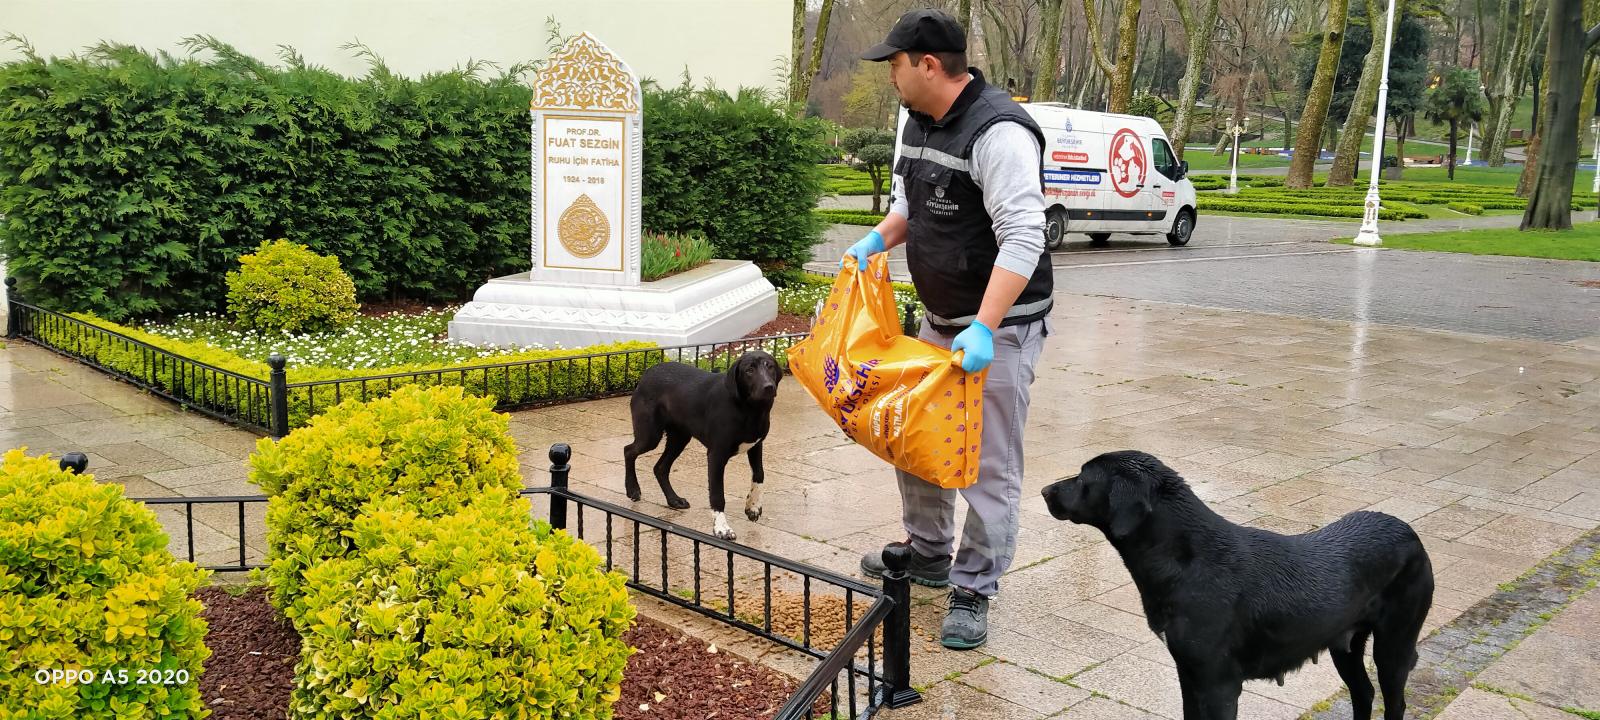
{"x": 861, "y": 665}
{"x": 275, "y": 405}
{"x": 228, "y": 396}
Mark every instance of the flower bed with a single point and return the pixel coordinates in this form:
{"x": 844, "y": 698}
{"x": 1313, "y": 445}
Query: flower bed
{"x": 372, "y": 341}
{"x": 671, "y": 675}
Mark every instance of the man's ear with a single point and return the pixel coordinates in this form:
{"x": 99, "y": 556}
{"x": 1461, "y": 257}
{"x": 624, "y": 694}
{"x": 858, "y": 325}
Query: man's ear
{"x": 1130, "y": 504}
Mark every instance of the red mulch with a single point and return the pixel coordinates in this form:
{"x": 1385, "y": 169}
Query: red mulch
{"x": 377, "y": 308}
{"x": 253, "y": 651}
{"x": 783, "y": 325}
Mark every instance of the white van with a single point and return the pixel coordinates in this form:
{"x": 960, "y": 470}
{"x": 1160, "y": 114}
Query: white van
{"x": 1106, "y": 173}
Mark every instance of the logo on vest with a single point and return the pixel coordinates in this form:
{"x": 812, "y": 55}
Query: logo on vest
{"x": 938, "y": 191}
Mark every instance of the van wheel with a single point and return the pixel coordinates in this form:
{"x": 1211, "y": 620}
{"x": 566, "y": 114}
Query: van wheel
{"x": 1182, "y": 228}
{"x": 1099, "y": 239}
{"x": 1055, "y": 228}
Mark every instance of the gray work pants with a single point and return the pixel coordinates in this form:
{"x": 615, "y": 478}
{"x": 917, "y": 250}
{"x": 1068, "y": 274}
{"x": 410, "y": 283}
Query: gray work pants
{"x": 989, "y": 538}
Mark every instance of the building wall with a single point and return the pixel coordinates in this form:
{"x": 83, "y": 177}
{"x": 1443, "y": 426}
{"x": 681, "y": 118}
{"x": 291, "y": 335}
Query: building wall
{"x": 734, "y": 43}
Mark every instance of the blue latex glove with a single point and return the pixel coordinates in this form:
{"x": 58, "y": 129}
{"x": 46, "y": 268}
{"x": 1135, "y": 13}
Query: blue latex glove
{"x": 864, "y": 248}
{"x": 977, "y": 342}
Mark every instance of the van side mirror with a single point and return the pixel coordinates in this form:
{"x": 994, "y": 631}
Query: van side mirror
{"x": 1183, "y": 169}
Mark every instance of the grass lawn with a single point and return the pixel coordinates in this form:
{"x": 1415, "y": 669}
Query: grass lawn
{"x": 1202, "y": 159}
{"x": 1275, "y": 216}
{"x": 1582, "y": 242}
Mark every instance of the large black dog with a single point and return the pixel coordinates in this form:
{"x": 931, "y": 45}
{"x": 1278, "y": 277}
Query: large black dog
{"x": 1235, "y": 603}
{"x": 727, "y": 412}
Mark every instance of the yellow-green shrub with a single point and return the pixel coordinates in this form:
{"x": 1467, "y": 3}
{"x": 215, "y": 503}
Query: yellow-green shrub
{"x": 520, "y": 385}
{"x": 285, "y": 287}
{"x": 86, "y": 583}
{"x": 471, "y": 615}
{"x": 434, "y": 448}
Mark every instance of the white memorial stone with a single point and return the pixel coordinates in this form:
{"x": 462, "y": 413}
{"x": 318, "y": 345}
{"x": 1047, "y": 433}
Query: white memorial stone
{"x": 585, "y": 288}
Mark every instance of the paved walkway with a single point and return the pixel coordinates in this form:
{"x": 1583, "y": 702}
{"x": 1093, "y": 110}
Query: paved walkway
{"x": 1489, "y": 445}
{"x": 1552, "y": 675}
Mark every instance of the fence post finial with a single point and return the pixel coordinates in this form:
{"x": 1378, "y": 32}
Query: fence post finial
{"x": 278, "y": 394}
{"x": 897, "y": 689}
{"x": 76, "y": 462}
{"x": 560, "y": 454}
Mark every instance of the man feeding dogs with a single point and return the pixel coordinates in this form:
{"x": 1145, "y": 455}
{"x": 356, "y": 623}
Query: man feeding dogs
{"x": 968, "y": 205}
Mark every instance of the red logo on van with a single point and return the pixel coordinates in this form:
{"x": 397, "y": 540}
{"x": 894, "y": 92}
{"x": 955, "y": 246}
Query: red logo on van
{"x": 1071, "y": 157}
{"x": 1128, "y": 163}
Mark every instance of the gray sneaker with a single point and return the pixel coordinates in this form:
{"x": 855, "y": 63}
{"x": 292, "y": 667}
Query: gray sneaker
{"x": 931, "y": 572}
{"x": 966, "y": 625}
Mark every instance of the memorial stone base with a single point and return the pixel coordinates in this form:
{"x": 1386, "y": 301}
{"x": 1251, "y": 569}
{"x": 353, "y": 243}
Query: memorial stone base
{"x": 719, "y": 301}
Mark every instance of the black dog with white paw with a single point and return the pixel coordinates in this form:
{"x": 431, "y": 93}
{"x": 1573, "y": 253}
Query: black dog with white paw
{"x": 729, "y": 413}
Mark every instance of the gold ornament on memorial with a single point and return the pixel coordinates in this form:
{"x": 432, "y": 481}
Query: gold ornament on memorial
{"x": 585, "y": 76}
{"x": 583, "y": 229}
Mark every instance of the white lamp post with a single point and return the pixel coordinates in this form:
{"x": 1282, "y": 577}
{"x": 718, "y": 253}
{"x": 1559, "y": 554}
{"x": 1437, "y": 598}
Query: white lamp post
{"x": 1594, "y": 129}
{"x": 1369, "y": 218}
{"x": 1470, "y": 129}
{"x": 1233, "y": 165}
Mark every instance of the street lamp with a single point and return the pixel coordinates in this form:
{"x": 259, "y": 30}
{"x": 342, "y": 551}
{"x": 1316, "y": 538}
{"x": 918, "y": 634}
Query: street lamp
{"x": 1594, "y": 129}
{"x": 1470, "y": 129}
{"x": 1233, "y": 165}
{"x": 1369, "y": 217}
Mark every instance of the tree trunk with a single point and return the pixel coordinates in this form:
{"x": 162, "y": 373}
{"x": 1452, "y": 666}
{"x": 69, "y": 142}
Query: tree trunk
{"x": 1550, "y": 206}
{"x": 1120, "y": 73}
{"x": 1048, "y": 51}
{"x": 1399, "y": 149}
{"x": 1451, "y": 168}
{"x": 1347, "y": 156}
{"x": 818, "y": 41}
{"x": 1531, "y": 156}
{"x": 1510, "y": 72}
{"x": 966, "y": 16}
{"x": 1127, "y": 57}
{"x": 797, "y": 46}
{"x": 1591, "y": 76}
{"x": 1200, "y": 31}
{"x": 1315, "y": 114}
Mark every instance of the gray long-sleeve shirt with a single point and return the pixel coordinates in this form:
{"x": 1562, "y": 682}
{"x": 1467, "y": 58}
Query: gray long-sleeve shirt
{"x": 1005, "y": 165}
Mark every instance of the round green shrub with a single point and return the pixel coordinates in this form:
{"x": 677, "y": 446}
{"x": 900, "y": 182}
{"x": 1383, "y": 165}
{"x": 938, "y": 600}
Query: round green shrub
{"x": 285, "y": 287}
{"x": 435, "y": 448}
{"x": 87, "y": 584}
{"x": 480, "y": 613}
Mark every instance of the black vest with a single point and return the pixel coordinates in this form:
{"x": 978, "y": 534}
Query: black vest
{"x": 951, "y": 246}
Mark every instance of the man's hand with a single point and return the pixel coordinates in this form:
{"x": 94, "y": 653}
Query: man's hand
{"x": 977, "y": 341}
{"x": 866, "y": 247}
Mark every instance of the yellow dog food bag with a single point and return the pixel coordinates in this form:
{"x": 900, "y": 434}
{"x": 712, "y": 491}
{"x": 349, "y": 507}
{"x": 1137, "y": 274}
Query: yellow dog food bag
{"x": 907, "y": 401}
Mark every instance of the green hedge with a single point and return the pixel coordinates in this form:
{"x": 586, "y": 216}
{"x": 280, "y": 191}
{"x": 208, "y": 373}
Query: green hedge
{"x": 739, "y": 168}
{"x": 399, "y": 549}
{"x": 849, "y": 217}
{"x": 526, "y": 384}
{"x": 469, "y": 615}
{"x": 87, "y": 584}
{"x": 1237, "y": 203}
{"x": 435, "y": 449}
{"x": 1468, "y": 208}
{"x": 130, "y": 183}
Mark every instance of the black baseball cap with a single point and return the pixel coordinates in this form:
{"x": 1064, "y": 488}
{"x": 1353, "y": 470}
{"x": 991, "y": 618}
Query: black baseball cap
{"x": 923, "y": 30}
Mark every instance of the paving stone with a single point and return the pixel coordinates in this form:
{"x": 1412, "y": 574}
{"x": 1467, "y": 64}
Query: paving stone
{"x": 1475, "y": 704}
{"x": 1551, "y": 667}
{"x": 954, "y": 701}
{"x": 1030, "y": 690}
